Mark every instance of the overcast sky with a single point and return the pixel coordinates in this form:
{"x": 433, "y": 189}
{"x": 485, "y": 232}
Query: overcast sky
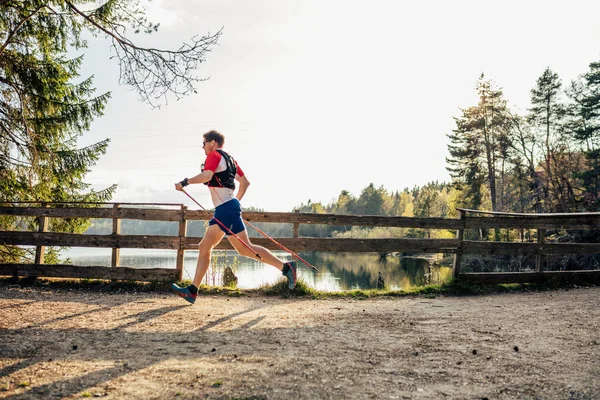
{"x": 315, "y": 97}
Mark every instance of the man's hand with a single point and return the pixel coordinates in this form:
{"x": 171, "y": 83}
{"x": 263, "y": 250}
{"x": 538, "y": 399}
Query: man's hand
{"x": 179, "y": 186}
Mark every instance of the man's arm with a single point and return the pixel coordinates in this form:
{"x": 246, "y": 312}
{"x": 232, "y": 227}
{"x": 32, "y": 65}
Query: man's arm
{"x": 244, "y": 183}
{"x": 204, "y": 176}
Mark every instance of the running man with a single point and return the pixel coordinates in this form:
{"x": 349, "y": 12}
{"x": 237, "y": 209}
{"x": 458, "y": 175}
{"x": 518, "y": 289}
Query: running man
{"x": 219, "y": 173}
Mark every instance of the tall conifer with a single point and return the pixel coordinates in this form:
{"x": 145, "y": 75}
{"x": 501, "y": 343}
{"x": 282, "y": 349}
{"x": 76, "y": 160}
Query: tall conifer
{"x": 586, "y": 131}
{"x": 45, "y": 106}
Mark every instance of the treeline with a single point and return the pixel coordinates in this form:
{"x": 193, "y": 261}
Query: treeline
{"x": 546, "y": 159}
{"x": 432, "y": 200}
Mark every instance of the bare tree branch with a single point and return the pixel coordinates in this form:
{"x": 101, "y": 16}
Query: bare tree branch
{"x": 153, "y": 72}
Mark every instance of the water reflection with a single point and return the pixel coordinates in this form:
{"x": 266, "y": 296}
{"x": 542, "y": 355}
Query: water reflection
{"x": 348, "y": 271}
{"x": 337, "y": 271}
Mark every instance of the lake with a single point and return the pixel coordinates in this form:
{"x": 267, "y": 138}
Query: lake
{"x": 337, "y": 271}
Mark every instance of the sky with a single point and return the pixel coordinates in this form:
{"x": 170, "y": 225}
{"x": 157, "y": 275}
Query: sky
{"x": 319, "y": 96}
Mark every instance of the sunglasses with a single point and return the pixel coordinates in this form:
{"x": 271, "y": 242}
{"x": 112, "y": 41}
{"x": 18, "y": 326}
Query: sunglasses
{"x": 204, "y": 143}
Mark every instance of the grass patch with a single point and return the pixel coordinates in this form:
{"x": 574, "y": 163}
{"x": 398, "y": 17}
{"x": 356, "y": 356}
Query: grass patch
{"x": 280, "y": 288}
{"x": 453, "y": 288}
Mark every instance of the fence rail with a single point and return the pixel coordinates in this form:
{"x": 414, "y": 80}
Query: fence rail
{"x": 468, "y": 219}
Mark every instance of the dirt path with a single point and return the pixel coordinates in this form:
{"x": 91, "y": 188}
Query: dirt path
{"x": 504, "y": 346}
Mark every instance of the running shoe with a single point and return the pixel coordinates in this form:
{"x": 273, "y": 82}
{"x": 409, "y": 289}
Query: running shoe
{"x": 291, "y": 274}
{"x": 184, "y": 292}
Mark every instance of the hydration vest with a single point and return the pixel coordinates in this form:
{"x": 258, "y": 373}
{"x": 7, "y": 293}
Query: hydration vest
{"x": 225, "y": 178}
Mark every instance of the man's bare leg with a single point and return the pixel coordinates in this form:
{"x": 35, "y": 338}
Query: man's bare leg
{"x": 266, "y": 256}
{"x": 288, "y": 269}
{"x": 212, "y": 237}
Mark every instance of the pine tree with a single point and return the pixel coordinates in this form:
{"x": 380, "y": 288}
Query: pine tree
{"x": 464, "y": 162}
{"x": 427, "y": 205}
{"x": 344, "y": 204}
{"x": 585, "y": 128}
{"x": 493, "y": 126}
{"x": 45, "y": 106}
{"x": 547, "y": 119}
{"x": 526, "y": 179}
{"x": 371, "y": 201}
{"x": 478, "y": 144}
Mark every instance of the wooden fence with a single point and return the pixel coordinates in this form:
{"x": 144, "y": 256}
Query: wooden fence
{"x": 469, "y": 219}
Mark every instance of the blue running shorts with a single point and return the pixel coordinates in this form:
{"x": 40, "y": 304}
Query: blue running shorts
{"x": 230, "y": 215}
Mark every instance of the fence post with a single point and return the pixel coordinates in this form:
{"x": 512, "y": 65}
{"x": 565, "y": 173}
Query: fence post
{"x": 296, "y": 228}
{"x": 42, "y": 227}
{"x": 458, "y": 255}
{"x": 182, "y": 235}
{"x": 539, "y": 258}
{"x": 116, "y": 252}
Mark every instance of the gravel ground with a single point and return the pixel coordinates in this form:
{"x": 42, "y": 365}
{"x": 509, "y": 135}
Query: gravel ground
{"x": 74, "y": 344}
